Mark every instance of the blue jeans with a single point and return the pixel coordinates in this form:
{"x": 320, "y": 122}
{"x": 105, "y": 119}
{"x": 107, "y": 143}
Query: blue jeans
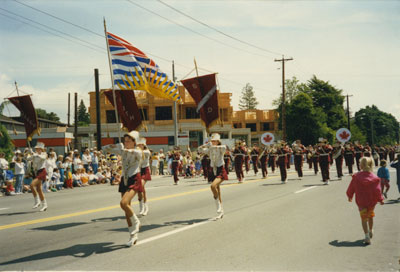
{"x": 95, "y": 166}
{"x": 18, "y": 183}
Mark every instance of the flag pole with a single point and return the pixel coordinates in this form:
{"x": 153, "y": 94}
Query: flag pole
{"x": 175, "y": 110}
{"x": 112, "y": 80}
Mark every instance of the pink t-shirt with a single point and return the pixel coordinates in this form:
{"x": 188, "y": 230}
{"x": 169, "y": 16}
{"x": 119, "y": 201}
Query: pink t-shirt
{"x": 367, "y": 187}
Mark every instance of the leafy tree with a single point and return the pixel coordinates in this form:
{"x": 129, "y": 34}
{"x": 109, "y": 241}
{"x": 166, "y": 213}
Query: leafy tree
{"x": 330, "y": 100}
{"x": 302, "y": 120}
{"x": 379, "y": 127}
{"x": 292, "y": 88}
{"x": 41, "y": 113}
{"x": 4, "y": 104}
{"x": 6, "y": 144}
{"x": 356, "y": 133}
{"x": 83, "y": 115}
{"x": 248, "y": 101}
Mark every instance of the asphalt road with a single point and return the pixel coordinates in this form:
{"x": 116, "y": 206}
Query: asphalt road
{"x": 301, "y": 225}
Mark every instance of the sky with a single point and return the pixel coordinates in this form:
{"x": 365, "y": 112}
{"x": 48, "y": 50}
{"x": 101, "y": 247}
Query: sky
{"x": 352, "y": 44}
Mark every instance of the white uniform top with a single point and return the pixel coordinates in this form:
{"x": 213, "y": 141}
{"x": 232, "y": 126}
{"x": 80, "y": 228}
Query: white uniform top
{"x": 50, "y": 165}
{"x": 39, "y": 161}
{"x": 216, "y": 154}
{"x": 145, "y": 159}
{"x": 131, "y": 159}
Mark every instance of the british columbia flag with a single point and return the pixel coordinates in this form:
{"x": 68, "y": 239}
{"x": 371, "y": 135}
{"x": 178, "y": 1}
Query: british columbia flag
{"x": 133, "y": 70}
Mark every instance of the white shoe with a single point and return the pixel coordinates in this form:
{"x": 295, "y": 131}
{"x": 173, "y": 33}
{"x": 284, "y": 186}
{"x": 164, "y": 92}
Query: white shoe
{"x": 219, "y": 206}
{"x": 284, "y": 181}
{"x": 134, "y": 229}
{"x": 240, "y": 181}
{"x": 145, "y": 209}
{"x": 37, "y": 203}
{"x": 132, "y": 241}
{"x": 44, "y": 206}
{"x": 141, "y": 207}
{"x": 219, "y": 216}
{"x": 371, "y": 233}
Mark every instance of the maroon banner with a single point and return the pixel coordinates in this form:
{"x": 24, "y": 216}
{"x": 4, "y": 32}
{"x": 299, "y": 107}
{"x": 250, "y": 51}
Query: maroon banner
{"x": 28, "y": 114}
{"x": 127, "y": 108}
{"x": 203, "y": 89}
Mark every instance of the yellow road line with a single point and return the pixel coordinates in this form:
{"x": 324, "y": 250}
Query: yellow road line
{"x": 58, "y": 217}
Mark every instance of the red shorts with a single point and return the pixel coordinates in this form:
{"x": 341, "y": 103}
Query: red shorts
{"x": 221, "y": 173}
{"x": 145, "y": 172}
{"x": 134, "y": 183}
{"x": 41, "y": 174}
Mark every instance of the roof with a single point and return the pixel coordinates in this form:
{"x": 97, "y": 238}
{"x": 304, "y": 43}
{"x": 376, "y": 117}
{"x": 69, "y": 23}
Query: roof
{"x": 5, "y": 119}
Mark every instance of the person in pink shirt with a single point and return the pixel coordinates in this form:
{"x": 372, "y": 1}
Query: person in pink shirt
{"x": 367, "y": 188}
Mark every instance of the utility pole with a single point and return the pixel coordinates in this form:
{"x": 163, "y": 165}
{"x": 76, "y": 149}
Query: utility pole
{"x": 348, "y": 112}
{"x": 76, "y": 122}
{"x": 175, "y": 110}
{"x": 283, "y": 96}
{"x": 98, "y": 118}
{"x": 69, "y": 103}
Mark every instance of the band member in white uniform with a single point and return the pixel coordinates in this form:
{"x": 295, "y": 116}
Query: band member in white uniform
{"x": 215, "y": 150}
{"x": 146, "y": 176}
{"x": 39, "y": 158}
{"x": 131, "y": 182}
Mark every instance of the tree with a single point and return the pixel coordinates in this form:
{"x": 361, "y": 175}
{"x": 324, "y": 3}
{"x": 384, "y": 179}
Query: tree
{"x": 303, "y": 122}
{"x": 292, "y": 88}
{"x": 379, "y": 127}
{"x": 6, "y": 144}
{"x": 330, "y": 100}
{"x": 248, "y": 101}
{"x": 41, "y": 113}
{"x": 4, "y": 104}
{"x": 83, "y": 115}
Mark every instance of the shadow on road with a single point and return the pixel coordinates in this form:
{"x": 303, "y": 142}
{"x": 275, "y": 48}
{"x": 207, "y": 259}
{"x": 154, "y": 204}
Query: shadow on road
{"x": 60, "y": 226}
{"x": 311, "y": 185}
{"x": 358, "y": 243}
{"x": 144, "y": 228}
{"x": 78, "y": 251}
{"x": 17, "y": 213}
{"x": 108, "y": 219}
{"x": 269, "y": 184}
{"x": 392, "y": 201}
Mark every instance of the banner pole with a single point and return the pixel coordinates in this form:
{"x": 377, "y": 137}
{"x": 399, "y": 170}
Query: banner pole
{"x": 112, "y": 81}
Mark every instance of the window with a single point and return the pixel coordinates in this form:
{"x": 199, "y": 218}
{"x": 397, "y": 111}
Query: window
{"x": 110, "y": 114}
{"x": 252, "y": 126}
{"x": 163, "y": 113}
{"x": 191, "y": 113}
{"x": 268, "y": 126}
{"x": 171, "y": 140}
{"x": 143, "y": 114}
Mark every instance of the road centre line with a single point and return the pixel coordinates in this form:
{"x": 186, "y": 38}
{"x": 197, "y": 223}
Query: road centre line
{"x": 58, "y": 217}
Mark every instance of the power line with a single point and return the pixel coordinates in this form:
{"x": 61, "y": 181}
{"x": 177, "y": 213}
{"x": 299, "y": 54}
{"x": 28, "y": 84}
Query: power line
{"x": 58, "y": 18}
{"x": 53, "y": 29}
{"x": 198, "y": 33}
{"x": 52, "y": 33}
{"x": 219, "y": 31}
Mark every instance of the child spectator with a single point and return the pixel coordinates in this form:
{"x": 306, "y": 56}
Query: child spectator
{"x": 155, "y": 160}
{"x": 383, "y": 174}
{"x": 76, "y": 179}
{"x": 19, "y": 171}
{"x": 68, "y": 178}
{"x": 93, "y": 179}
{"x": 366, "y": 186}
{"x": 84, "y": 177}
{"x": 197, "y": 166}
{"x": 56, "y": 178}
